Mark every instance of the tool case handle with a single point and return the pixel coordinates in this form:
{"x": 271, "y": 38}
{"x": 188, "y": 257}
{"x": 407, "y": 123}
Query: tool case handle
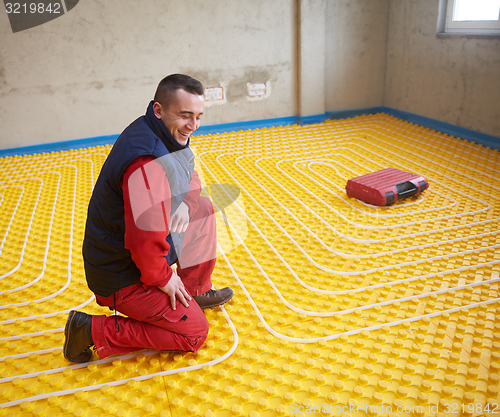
{"x": 406, "y": 189}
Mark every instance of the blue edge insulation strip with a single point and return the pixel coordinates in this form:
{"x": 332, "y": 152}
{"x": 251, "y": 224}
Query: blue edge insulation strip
{"x": 480, "y": 138}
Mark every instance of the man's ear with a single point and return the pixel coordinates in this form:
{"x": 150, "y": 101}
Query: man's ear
{"x": 157, "y": 109}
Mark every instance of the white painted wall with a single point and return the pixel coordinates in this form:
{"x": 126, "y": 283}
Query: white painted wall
{"x": 93, "y": 71}
{"x": 451, "y": 78}
{"x": 356, "y": 47}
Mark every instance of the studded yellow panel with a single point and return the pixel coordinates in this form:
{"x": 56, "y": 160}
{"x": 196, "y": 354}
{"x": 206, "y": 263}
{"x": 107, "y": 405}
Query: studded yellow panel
{"x": 340, "y": 308}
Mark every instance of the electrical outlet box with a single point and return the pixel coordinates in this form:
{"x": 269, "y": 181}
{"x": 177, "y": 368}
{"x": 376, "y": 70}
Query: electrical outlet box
{"x": 257, "y": 90}
{"x": 214, "y": 94}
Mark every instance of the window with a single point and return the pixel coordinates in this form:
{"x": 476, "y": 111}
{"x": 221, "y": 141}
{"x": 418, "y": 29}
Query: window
{"x": 473, "y": 16}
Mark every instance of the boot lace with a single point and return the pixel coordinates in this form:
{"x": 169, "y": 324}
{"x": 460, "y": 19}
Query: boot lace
{"x": 211, "y": 293}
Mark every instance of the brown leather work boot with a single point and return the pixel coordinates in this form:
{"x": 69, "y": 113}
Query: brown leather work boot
{"x": 78, "y": 333}
{"x": 214, "y": 298}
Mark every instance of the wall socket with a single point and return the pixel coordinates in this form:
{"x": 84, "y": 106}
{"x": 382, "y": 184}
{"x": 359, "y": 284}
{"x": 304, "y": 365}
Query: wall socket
{"x": 214, "y": 94}
{"x": 257, "y": 90}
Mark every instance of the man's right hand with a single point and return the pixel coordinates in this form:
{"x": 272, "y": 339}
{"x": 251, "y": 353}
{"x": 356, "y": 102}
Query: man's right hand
{"x": 175, "y": 288}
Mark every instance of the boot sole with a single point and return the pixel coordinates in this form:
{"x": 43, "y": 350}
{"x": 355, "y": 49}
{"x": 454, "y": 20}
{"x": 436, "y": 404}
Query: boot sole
{"x": 71, "y": 316}
{"x": 69, "y": 322}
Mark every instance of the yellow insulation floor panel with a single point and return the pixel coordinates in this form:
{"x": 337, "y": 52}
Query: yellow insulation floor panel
{"x": 340, "y": 308}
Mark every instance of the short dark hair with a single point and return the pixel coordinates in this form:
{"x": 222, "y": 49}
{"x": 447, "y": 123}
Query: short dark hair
{"x": 171, "y": 83}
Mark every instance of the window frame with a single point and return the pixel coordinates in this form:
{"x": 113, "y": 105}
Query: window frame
{"x": 446, "y": 25}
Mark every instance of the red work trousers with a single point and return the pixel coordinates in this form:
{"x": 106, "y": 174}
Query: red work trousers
{"x": 151, "y": 322}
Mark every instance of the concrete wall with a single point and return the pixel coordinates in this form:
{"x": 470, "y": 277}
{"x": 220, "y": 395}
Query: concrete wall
{"x": 312, "y": 52}
{"x": 451, "y": 78}
{"x": 356, "y": 47}
{"x": 94, "y": 70}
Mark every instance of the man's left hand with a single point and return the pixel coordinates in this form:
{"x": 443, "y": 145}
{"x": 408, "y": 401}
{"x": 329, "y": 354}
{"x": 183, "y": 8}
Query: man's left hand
{"x": 179, "y": 222}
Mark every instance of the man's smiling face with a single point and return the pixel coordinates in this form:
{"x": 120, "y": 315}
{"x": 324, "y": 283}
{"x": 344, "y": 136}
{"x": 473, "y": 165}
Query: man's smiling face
{"x": 182, "y": 117}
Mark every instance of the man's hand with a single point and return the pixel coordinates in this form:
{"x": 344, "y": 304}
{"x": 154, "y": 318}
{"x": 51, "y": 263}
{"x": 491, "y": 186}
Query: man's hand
{"x": 175, "y": 288}
{"x": 179, "y": 222}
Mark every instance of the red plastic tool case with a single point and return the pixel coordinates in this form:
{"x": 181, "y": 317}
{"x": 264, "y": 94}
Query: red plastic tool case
{"x": 385, "y": 187}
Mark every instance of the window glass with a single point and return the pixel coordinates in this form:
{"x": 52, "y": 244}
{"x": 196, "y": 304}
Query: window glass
{"x": 473, "y": 10}
{"x": 476, "y": 17}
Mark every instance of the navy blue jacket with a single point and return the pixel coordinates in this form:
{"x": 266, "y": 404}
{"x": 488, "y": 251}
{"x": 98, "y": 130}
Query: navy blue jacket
{"x": 108, "y": 264}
